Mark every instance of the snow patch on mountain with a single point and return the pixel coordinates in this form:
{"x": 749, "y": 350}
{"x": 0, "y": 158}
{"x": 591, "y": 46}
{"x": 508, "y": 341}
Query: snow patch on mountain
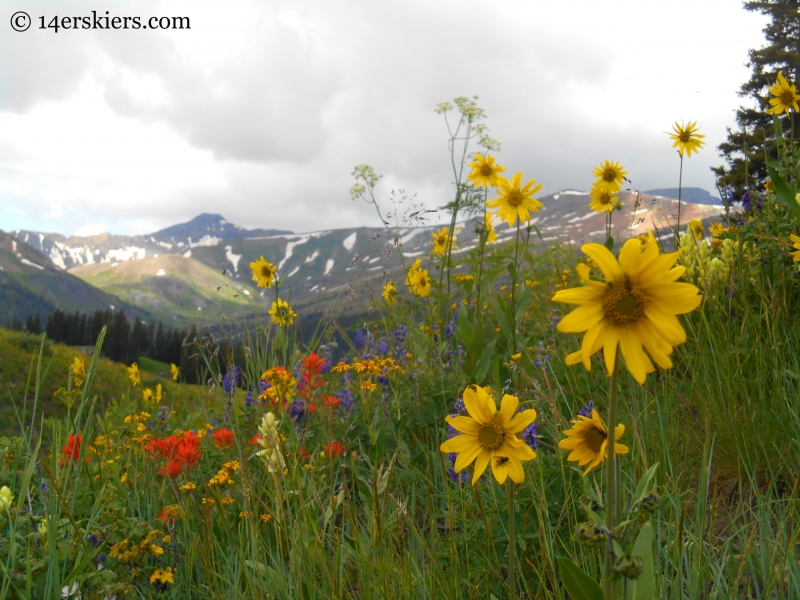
{"x": 234, "y": 258}
{"x": 349, "y": 241}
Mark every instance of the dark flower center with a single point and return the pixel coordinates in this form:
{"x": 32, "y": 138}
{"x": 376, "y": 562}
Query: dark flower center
{"x": 624, "y": 303}
{"x": 686, "y": 136}
{"x": 787, "y": 97}
{"x": 515, "y": 198}
{"x": 594, "y": 439}
{"x": 491, "y": 436}
{"x": 486, "y": 170}
{"x": 609, "y": 175}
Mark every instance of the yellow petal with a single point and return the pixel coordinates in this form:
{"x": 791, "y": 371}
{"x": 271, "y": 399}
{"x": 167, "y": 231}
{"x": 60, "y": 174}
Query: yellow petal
{"x": 610, "y": 347}
{"x": 582, "y": 318}
{"x": 515, "y": 470}
{"x": 520, "y": 421}
{"x": 579, "y": 295}
{"x": 500, "y": 469}
{"x": 463, "y": 424}
{"x": 633, "y": 354}
{"x": 475, "y": 403}
{"x": 606, "y": 262}
{"x": 480, "y": 465}
{"x": 459, "y": 443}
{"x": 467, "y": 456}
{"x": 508, "y": 406}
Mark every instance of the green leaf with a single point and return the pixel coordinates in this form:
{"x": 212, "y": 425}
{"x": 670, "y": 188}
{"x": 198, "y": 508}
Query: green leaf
{"x": 644, "y": 587}
{"x": 501, "y": 310}
{"x": 465, "y": 330}
{"x": 644, "y": 482}
{"x": 522, "y": 303}
{"x": 484, "y": 362}
{"x": 784, "y": 192}
{"x": 577, "y": 583}
{"x": 512, "y": 270}
{"x": 610, "y": 243}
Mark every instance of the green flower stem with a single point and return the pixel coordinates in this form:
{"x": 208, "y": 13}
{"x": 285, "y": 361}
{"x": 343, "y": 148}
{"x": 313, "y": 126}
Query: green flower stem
{"x": 611, "y": 472}
{"x": 680, "y": 190}
{"x": 512, "y": 587}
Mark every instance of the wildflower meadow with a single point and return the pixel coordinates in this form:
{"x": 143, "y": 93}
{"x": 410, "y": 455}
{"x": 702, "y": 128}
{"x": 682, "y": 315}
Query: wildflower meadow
{"x": 517, "y": 419}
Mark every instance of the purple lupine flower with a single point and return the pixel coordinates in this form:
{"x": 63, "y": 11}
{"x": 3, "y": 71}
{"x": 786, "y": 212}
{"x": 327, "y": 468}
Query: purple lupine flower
{"x": 554, "y": 318}
{"x": 530, "y": 435}
{"x": 346, "y": 398}
{"x": 587, "y": 409}
{"x": 249, "y": 400}
{"x": 383, "y": 347}
{"x": 231, "y": 380}
{"x": 360, "y": 338}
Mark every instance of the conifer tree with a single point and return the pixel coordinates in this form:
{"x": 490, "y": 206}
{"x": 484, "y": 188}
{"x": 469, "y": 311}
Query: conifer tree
{"x": 748, "y": 148}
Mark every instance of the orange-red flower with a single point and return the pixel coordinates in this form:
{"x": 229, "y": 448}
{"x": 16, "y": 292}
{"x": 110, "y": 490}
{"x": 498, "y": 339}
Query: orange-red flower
{"x": 224, "y": 438}
{"x": 332, "y": 402}
{"x": 188, "y": 453}
{"x": 72, "y": 449}
{"x": 334, "y": 449}
{"x": 310, "y": 377}
{"x": 172, "y": 469}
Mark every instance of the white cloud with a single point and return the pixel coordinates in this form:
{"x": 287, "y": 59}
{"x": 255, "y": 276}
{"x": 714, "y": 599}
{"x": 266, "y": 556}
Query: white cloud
{"x": 261, "y": 110}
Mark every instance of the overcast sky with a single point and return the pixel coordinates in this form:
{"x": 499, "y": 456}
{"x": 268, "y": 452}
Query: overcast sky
{"x": 261, "y": 110}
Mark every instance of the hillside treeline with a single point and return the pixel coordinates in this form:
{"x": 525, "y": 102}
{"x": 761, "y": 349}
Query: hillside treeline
{"x": 124, "y": 342}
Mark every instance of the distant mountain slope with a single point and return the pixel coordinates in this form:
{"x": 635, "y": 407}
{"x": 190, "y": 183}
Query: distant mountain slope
{"x": 330, "y": 269}
{"x": 203, "y": 230}
{"x": 689, "y": 194}
{"x": 171, "y": 287}
{"x": 30, "y": 283}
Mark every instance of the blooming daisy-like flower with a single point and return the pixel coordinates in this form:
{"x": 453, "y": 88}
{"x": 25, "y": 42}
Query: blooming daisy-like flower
{"x": 796, "y": 254}
{"x": 263, "y": 272}
{"x": 281, "y": 313}
{"x": 420, "y": 283}
{"x": 686, "y": 138}
{"x": 611, "y": 174}
{"x": 133, "y": 373}
{"x": 163, "y": 576}
{"x": 491, "y": 234}
{"x": 636, "y": 305}
{"x": 484, "y": 172}
{"x": 515, "y": 201}
{"x": 786, "y": 96}
{"x": 696, "y": 225}
{"x": 488, "y": 436}
{"x": 147, "y": 395}
{"x": 441, "y": 241}
{"x": 389, "y": 292}
{"x": 588, "y": 440}
{"x": 603, "y": 198}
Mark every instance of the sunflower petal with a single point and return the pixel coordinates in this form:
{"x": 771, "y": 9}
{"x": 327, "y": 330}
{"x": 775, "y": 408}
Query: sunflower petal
{"x": 515, "y": 470}
{"x": 467, "y": 456}
{"x": 500, "y": 469}
{"x": 520, "y": 421}
{"x": 480, "y": 465}
{"x": 508, "y": 406}
{"x": 459, "y": 443}
{"x": 463, "y": 424}
{"x": 475, "y": 403}
{"x": 582, "y": 318}
{"x": 606, "y": 262}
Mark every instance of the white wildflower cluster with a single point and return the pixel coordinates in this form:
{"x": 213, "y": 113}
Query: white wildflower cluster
{"x": 269, "y": 440}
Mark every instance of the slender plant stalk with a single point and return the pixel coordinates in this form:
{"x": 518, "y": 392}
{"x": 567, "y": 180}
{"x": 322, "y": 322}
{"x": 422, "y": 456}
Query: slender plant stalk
{"x": 611, "y": 496}
{"x": 512, "y": 587}
{"x": 680, "y": 191}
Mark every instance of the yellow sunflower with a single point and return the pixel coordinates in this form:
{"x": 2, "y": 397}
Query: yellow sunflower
{"x": 611, "y": 174}
{"x": 491, "y": 235}
{"x": 420, "y": 283}
{"x": 389, "y": 292}
{"x": 514, "y": 200}
{"x": 603, "y": 198}
{"x": 786, "y": 96}
{"x": 263, "y": 272}
{"x": 686, "y": 138}
{"x": 489, "y": 436}
{"x": 588, "y": 440}
{"x": 636, "y": 305}
{"x": 133, "y": 373}
{"x": 415, "y": 267}
{"x": 696, "y": 226}
{"x": 484, "y": 172}
{"x": 441, "y": 241}
{"x": 282, "y": 314}
{"x": 796, "y": 254}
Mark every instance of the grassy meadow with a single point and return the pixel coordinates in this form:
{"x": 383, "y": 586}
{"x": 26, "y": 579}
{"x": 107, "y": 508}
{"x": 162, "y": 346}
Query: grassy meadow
{"x": 316, "y": 470}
